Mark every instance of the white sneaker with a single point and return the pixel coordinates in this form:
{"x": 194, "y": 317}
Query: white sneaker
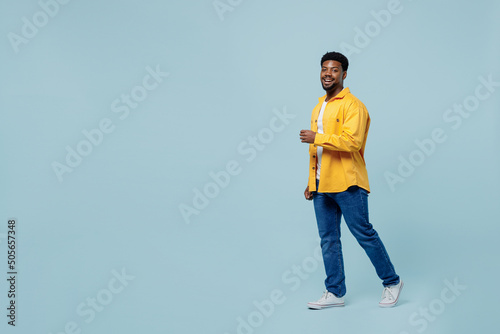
{"x": 327, "y": 300}
{"x": 390, "y": 295}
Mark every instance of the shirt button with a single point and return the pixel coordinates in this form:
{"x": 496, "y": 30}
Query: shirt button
{"x": 316, "y": 120}
{"x": 314, "y": 156}
{"x": 314, "y": 167}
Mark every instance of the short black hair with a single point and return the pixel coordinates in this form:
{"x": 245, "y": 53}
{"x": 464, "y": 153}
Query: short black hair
{"x": 337, "y": 56}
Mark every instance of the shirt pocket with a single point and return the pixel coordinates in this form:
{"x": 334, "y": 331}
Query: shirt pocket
{"x": 332, "y": 123}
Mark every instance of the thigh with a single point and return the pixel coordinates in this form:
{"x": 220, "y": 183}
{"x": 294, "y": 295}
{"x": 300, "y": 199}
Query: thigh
{"x": 354, "y": 205}
{"x": 328, "y": 213}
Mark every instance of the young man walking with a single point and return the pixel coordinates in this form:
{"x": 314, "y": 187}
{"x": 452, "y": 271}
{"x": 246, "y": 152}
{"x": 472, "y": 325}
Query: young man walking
{"x": 338, "y": 183}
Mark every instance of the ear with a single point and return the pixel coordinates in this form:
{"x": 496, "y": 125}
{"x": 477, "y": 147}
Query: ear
{"x": 344, "y": 75}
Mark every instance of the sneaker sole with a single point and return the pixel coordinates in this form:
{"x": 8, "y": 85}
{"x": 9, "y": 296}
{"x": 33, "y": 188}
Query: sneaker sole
{"x": 319, "y": 307}
{"x": 397, "y": 299}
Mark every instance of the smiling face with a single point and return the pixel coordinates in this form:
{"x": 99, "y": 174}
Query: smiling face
{"x": 332, "y": 76}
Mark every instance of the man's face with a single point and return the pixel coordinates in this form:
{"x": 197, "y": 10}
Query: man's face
{"x": 332, "y": 75}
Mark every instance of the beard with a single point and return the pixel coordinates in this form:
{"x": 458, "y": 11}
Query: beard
{"x": 329, "y": 88}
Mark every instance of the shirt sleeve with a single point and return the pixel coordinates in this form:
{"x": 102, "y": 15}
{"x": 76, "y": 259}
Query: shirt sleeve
{"x": 353, "y": 132}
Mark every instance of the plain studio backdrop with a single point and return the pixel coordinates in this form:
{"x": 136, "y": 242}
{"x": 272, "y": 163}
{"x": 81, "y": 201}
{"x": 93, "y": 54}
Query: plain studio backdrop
{"x": 152, "y": 161}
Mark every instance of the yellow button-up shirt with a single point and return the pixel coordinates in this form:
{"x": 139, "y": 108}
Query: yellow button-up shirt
{"x": 345, "y": 125}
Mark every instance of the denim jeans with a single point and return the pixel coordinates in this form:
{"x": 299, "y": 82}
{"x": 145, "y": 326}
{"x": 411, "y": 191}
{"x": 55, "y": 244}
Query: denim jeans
{"x": 353, "y": 204}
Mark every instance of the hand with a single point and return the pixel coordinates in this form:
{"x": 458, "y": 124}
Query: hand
{"x": 308, "y": 195}
{"x": 307, "y": 136}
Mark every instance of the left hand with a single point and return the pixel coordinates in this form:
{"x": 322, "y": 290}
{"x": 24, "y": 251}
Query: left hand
{"x": 307, "y": 136}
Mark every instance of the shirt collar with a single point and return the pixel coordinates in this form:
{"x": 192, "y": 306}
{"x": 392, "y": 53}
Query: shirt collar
{"x": 340, "y": 95}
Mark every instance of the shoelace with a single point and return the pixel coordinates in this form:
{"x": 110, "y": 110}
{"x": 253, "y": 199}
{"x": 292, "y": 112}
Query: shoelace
{"x": 325, "y": 295}
{"x": 387, "y": 293}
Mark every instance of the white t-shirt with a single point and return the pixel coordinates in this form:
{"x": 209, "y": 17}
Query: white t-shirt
{"x": 320, "y": 130}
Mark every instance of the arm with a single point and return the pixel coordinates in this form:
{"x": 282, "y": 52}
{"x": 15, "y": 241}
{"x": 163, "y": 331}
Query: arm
{"x": 353, "y": 131}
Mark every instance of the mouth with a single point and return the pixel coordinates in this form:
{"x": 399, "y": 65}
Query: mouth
{"x": 327, "y": 81}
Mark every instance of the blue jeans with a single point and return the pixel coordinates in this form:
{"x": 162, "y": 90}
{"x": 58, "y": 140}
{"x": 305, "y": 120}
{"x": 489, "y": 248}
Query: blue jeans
{"x": 353, "y": 204}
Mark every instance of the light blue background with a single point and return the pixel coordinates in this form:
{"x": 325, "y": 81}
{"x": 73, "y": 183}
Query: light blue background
{"x": 120, "y": 207}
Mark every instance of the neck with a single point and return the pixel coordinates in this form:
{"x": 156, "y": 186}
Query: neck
{"x": 333, "y": 92}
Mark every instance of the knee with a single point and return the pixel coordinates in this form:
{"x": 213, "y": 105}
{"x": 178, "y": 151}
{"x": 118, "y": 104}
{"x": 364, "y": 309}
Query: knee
{"x": 329, "y": 242}
{"x": 364, "y": 231}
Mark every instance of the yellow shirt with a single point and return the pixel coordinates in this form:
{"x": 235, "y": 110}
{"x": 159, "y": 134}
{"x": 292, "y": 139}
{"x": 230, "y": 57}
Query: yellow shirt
{"x": 345, "y": 125}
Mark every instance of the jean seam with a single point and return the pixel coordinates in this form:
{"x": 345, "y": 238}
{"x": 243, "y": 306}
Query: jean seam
{"x": 365, "y": 210}
{"x": 337, "y": 226}
{"x": 339, "y": 248}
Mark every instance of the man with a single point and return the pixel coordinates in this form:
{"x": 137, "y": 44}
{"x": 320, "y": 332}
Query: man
{"x": 338, "y": 183}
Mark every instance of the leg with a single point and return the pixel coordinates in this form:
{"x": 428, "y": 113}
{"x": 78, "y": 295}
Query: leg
{"x": 354, "y": 205}
{"x": 328, "y": 216}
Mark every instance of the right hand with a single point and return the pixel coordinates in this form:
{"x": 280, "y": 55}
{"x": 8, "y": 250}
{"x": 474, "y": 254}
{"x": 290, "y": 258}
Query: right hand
{"x": 307, "y": 194}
